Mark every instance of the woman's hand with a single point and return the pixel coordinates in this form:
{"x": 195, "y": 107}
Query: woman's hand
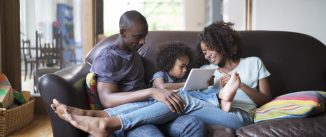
{"x": 224, "y": 79}
{"x": 170, "y": 98}
{"x": 211, "y": 81}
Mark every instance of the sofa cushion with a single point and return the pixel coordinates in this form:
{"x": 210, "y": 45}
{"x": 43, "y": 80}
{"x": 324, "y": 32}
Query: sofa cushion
{"x": 93, "y": 98}
{"x": 292, "y": 105}
{"x": 219, "y": 131}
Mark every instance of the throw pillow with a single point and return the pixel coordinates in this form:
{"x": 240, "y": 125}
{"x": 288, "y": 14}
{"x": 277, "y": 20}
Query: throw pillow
{"x": 93, "y": 98}
{"x": 292, "y": 105}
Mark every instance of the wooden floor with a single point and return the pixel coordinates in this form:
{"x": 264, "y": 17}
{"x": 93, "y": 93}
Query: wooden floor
{"x": 40, "y": 127}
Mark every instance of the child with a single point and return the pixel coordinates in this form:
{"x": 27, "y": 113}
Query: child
{"x": 173, "y": 63}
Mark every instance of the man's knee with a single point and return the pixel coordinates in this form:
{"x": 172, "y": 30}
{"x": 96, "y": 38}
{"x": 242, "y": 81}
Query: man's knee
{"x": 187, "y": 126}
{"x": 189, "y": 122}
{"x": 144, "y": 131}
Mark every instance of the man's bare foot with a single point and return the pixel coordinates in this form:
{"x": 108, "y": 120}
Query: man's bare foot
{"x": 96, "y": 126}
{"x": 61, "y": 109}
{"x": 229, "y": 90}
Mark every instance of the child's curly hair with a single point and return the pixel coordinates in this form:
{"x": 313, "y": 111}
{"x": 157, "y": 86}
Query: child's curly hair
{"x": 170, "y": 52}
{"x": 221, "y": 37}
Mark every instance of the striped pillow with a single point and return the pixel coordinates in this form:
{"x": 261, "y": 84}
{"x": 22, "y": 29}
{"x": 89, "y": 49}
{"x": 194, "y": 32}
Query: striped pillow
{"x": 292, "y": 105}
{"x": 93, "y": 98}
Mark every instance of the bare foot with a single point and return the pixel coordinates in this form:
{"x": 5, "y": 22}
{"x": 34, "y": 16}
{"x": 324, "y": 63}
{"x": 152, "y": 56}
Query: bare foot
{"x": 61, "y": 109}
{"x": 229, "y": 90}
{"x": 96, "y": 126}
{"x": 226, "y": 105}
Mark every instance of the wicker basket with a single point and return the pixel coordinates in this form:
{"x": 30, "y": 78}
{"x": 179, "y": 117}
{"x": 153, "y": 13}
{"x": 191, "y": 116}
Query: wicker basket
{"x": 16, "y": 118}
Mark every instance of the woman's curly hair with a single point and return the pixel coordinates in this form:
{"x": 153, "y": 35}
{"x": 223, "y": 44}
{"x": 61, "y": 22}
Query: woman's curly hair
{"x": 221, "y": 37}
{"x": 170, "y": 52}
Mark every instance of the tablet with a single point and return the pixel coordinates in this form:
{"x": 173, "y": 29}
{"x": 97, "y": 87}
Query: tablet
{"x": 198, "y": 78}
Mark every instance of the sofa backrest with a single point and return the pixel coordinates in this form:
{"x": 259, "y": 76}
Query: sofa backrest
{"x": 296, "y": 61}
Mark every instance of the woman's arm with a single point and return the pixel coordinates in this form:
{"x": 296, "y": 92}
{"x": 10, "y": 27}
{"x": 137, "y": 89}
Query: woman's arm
{"x": 159, "y": 83}
{"x": 262, "y": 96}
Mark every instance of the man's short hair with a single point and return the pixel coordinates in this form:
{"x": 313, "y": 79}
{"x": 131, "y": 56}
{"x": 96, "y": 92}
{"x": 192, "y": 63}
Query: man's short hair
{"x": 130, "y": 18}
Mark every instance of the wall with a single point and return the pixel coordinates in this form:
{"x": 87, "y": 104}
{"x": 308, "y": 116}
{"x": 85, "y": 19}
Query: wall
{"x": 213, "y": 11}
{"x": 88, "y": 25}
{"x": 10, "y": 42}
{"x": 303, "y": 16}
{"x": 235, "y": 11}
{"x": 194, "y": 14}
{"x": 0, "y": 50}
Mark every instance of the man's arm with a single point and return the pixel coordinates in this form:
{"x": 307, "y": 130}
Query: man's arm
{"x": 111, "y": 97}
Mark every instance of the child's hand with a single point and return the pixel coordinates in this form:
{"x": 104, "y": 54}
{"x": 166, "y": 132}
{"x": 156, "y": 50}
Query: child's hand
{"x": 211, "y": 81}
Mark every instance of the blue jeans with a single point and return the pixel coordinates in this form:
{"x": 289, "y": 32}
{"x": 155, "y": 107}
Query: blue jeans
{"x": 129, "y": 107}
{"x": 148, "y": 130}
{"x": 183, "y": 126}
{"x": 209, "y": 95}
{"x": 159, "y": 113}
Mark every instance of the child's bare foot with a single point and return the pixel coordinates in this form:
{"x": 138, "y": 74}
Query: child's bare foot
{"x": 229, "y": 90}
{"x": 96, "y": 126}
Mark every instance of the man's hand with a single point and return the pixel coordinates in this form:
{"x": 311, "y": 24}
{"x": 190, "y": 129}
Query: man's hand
{"x": 170, "y": 98}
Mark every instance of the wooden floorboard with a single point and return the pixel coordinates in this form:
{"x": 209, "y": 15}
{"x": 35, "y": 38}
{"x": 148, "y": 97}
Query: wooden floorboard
{"x": 40, "y": 127}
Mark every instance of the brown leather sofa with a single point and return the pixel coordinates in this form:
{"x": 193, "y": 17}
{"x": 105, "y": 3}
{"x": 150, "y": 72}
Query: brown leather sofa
{"x": 296, "y": 61}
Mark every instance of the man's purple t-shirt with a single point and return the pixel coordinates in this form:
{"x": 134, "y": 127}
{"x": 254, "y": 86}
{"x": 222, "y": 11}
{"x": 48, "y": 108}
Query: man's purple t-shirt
{"x": 116, "y": 66}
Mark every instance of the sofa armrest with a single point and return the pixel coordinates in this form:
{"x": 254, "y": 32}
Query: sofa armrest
{"x": 304, "y": 127}
{"x": 67, "y": 86}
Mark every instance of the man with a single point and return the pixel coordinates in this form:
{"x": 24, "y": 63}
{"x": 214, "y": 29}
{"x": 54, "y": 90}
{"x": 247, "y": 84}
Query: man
{"x": 120, "y": 73}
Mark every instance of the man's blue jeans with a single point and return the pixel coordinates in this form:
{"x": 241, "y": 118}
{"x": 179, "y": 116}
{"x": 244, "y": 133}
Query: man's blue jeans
{"x": 158, "y": 113}
{"x": 183, "y": 126}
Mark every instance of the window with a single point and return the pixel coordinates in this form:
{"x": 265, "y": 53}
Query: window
{"x": 160, "y": 14}
{"x": 51, "y": 38}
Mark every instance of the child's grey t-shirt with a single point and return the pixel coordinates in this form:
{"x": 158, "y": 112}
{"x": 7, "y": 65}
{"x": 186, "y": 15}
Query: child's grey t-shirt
{"x": 166, "y": 77}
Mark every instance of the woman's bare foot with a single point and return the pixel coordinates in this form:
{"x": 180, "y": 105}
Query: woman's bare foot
{"x": 226, "y": 105}
{"x": 229, "y": 90}
{"x": 96, "y": 126}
